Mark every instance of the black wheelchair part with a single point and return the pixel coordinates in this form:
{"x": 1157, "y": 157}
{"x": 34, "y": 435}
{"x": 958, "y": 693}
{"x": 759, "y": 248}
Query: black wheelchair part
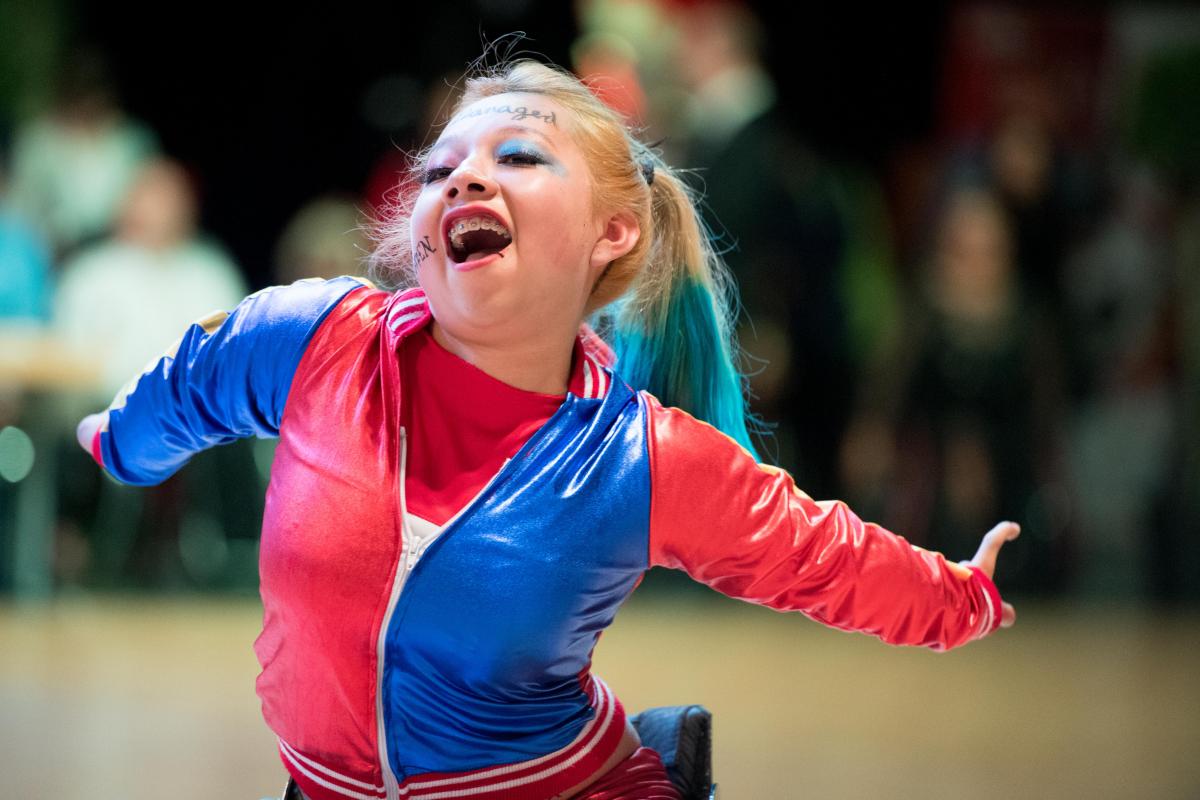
{"x": 682, "y": 735}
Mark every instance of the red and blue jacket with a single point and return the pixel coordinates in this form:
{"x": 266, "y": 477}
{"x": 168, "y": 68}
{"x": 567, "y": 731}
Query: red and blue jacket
{"x": 463, "y": 670}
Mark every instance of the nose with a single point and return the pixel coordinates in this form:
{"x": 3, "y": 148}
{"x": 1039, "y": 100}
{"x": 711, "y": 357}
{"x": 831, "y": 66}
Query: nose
{"x": 468, "y": 180}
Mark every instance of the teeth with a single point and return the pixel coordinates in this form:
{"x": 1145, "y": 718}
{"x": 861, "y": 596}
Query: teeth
{"x": 473, "y": 224}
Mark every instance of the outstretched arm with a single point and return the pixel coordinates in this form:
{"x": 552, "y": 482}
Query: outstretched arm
{"x": 227, "y": 378}
{"x": 745, "y": 529}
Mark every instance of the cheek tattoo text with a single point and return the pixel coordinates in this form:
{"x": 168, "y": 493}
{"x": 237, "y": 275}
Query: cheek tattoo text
{"x": 424, "y": 250}
{"x": 518, "y": 113}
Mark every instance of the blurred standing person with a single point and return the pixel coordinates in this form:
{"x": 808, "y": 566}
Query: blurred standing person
{"x": 1045, "y": 189}
{"x": 624, "y": 53}
{"x": 1161, "y": 140}
{"x": 1124, "y": 429}
{"x": 127, "y": 296}
{"x": 124, "y": 301}
{"x": 771, "y": 205}
{"x": 72, "y": 166}
{"x": 959, "y": 416}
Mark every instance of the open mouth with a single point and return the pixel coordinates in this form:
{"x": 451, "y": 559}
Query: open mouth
{"x": 472, "y": 238}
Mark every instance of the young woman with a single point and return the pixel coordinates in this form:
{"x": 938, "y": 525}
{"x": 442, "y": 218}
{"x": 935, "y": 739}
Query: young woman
{"x": 469, "y": 481}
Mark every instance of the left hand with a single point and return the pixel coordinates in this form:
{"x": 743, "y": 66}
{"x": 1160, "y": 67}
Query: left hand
{"x": 985, "y": 559}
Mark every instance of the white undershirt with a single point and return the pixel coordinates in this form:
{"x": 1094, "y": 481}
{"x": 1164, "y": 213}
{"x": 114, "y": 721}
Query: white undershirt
{"x": 423, "y": 533}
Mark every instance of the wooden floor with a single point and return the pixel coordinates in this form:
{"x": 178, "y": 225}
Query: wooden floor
{"x": 104, "y": 697}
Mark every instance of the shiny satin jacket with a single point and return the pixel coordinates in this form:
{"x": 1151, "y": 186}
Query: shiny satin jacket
{"x": 463, "y": 671}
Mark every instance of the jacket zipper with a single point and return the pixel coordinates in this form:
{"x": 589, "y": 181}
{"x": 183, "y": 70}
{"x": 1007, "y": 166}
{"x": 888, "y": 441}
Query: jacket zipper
{"x": 409, "y": 560}
{"x": 389, "y": 776}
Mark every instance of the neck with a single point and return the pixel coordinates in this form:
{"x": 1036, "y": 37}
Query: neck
{"x": 542, "y": 366}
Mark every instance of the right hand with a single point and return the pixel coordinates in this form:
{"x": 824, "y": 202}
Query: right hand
{"x": 985, "y": 559}
{"x": 85, "y": 431}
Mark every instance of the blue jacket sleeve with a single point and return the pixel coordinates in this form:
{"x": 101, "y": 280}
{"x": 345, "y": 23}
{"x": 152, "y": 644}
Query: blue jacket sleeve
{"x": 227, "y": 378}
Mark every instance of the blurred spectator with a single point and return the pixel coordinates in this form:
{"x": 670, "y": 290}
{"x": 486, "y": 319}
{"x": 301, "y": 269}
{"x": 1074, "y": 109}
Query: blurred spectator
{"x": 72, "y": 166}
{"x": 624, "y": 51}
{"x": 126, "y": 301}
{"x": 1118, "y": 305}
{"x": 24, "y": 267}
{"x": 1045, "y": 194}
{"x": 1020, "y": 86}
{"x": 609, "y": 66}
{"x": 773, "y": 206}
{"x": 1158, "y": 50}
{"x": 128, "y": 298}
{"x": 957, "y": 426}
{"x": 323, "y": 240}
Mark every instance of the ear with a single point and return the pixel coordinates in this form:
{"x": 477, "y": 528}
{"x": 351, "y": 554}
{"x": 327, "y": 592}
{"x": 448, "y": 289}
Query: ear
{"x": 620, "y": 235}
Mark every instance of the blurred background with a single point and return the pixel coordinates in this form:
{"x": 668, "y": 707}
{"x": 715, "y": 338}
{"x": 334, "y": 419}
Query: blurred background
{"x": 967, "y": 243}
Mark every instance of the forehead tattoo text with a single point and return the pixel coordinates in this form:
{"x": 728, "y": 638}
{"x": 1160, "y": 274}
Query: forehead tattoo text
{"x": 518, "y": 113}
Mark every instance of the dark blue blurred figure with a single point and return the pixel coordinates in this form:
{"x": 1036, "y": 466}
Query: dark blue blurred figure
{"x": 25, "y": 269}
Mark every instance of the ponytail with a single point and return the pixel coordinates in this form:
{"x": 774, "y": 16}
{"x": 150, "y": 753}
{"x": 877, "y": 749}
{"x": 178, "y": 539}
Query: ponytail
{"x": 672, "y": 332}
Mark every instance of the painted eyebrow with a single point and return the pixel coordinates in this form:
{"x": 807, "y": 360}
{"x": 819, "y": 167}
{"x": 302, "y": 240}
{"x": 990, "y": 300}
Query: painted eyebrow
{"x": 450, "y": 140}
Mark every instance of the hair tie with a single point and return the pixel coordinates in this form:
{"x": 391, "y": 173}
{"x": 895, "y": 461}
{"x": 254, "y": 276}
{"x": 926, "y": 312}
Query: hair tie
{"x": 648, "y": 171}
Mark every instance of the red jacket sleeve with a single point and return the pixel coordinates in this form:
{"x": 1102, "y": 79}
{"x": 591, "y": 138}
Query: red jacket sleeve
{"x": 745, "y": 530}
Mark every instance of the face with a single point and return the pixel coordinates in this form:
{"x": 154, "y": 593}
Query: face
{"x": 505, "y": 239}
{"x": 159, "y": 209}
{"x": 974, "y": 256}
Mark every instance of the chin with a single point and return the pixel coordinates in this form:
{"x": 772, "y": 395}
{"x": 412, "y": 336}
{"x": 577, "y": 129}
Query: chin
{"x": 471, "y": 304}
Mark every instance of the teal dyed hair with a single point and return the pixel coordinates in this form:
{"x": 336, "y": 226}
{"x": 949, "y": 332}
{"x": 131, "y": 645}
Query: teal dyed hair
{"x": 672, "y": 327}
{"x": 684, "y": 359}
